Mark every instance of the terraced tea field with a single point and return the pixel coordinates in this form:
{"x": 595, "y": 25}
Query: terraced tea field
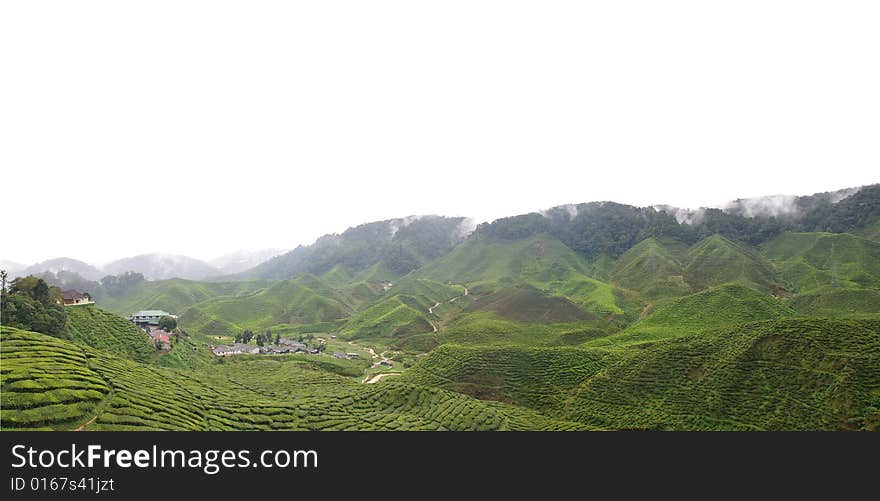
{"x": 49, "y": 383}
{"x": 796, "y": 374}
{"x": 790, "y": 374}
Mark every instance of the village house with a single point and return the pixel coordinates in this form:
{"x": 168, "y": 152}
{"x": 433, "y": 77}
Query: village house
{"x": 161, "y": 339}
{"x": 149, "y": 317}
{"x": 74, "y": 297}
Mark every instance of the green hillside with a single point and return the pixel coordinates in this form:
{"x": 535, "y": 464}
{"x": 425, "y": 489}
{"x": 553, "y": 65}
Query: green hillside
{"x": 106, "y": 331}
{"x": 487, "y": 264}
{"x": 488, "y": 329}
{"x": 488, "y": 261}
{"x": 653, "y": 268}
{"x": 396, "y": 316}
{"x": 303, "y": 300}
{"x": 872, "y": 231}
{"x": 718, "y": 307}
{"x": 390, "y": 249}
{"x": 527, "y": 304}
{"x": 799, "y": 374}
{"x": 811, "y": 262}
{"x": 49, "y": 383}
{"x": 174, "y": 295}
{"x": 796, "y": 374}
{"x": 716, "y": 260}
{"x": 538, "y": 378}
{"x": 837, "y": 302}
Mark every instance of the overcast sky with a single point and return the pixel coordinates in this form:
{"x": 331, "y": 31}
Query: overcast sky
{"x": 202, "y": 127}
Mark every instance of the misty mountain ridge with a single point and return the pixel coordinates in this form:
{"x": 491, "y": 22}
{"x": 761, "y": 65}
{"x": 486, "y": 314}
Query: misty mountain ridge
{"x": 397, "y": 245}
{"x": 158, "y": 266}
{"x": 782, "y": 206}
{"x": 400, "y": 245}
{"x": 70, "y": 272}
{"x": 59, "y": 264}
{"x": 238, "y": 261}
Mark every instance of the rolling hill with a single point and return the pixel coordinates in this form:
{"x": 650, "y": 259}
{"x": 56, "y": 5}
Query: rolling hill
{"x": 487, "y": 264}
{"x": 653, "y": 267}
{"x": 797, "y": 374}
{"x": 813, "y": 262}
{"x": 527, "y": 304}
{"x": 174, "y": 295}
{"x": 397, "y": 316}
{"x": 788, "y": 374}
{"x": 722, "y": 306}
{"x": 303, "y": 300}
{"x": 717, "y": 260}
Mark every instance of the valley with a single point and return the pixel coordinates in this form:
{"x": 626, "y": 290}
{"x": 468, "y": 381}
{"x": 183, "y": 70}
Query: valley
{"x": 598, "y": 316}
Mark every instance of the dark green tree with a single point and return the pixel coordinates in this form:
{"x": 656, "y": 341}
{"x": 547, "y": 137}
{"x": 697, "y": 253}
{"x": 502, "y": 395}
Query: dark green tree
{"x": 167, "y": 324}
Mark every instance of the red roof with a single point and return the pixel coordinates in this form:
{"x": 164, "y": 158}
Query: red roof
{"x": 160, "y": 335}
{"x": 72, "y": 294}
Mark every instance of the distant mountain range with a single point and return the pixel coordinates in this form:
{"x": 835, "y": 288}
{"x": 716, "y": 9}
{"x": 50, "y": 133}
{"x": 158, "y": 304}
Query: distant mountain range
{"x": 153, "y": 266}
{"x": 56, "y": 265}
{"x": 395, "y": 247}
{"x": 239, "y": 261}
{"x": 163, "y": 266}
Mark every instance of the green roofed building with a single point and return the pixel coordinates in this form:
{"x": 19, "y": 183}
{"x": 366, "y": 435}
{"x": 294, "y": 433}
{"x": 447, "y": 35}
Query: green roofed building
{"x": 149, "y": 317}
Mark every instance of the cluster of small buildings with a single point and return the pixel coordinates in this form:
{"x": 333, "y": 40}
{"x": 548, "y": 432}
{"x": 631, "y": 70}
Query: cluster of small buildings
{"x": 284, "y": 347}
{"x": 234, "y": 349}
{"x": 345, "y": 356}
{"x": 148, "y": 320}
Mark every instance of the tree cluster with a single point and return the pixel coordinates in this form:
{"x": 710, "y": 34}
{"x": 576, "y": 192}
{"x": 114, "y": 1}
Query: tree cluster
{"x": 30, "y": 303}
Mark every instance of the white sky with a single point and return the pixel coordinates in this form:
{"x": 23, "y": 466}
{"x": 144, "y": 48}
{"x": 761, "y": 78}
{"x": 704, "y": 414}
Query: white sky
{"x": 201, "y": 127}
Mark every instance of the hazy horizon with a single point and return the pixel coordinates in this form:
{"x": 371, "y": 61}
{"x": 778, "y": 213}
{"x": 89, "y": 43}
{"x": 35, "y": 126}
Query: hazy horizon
{"x": 200, "y": 128}
{"x": 211, "y": 258}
